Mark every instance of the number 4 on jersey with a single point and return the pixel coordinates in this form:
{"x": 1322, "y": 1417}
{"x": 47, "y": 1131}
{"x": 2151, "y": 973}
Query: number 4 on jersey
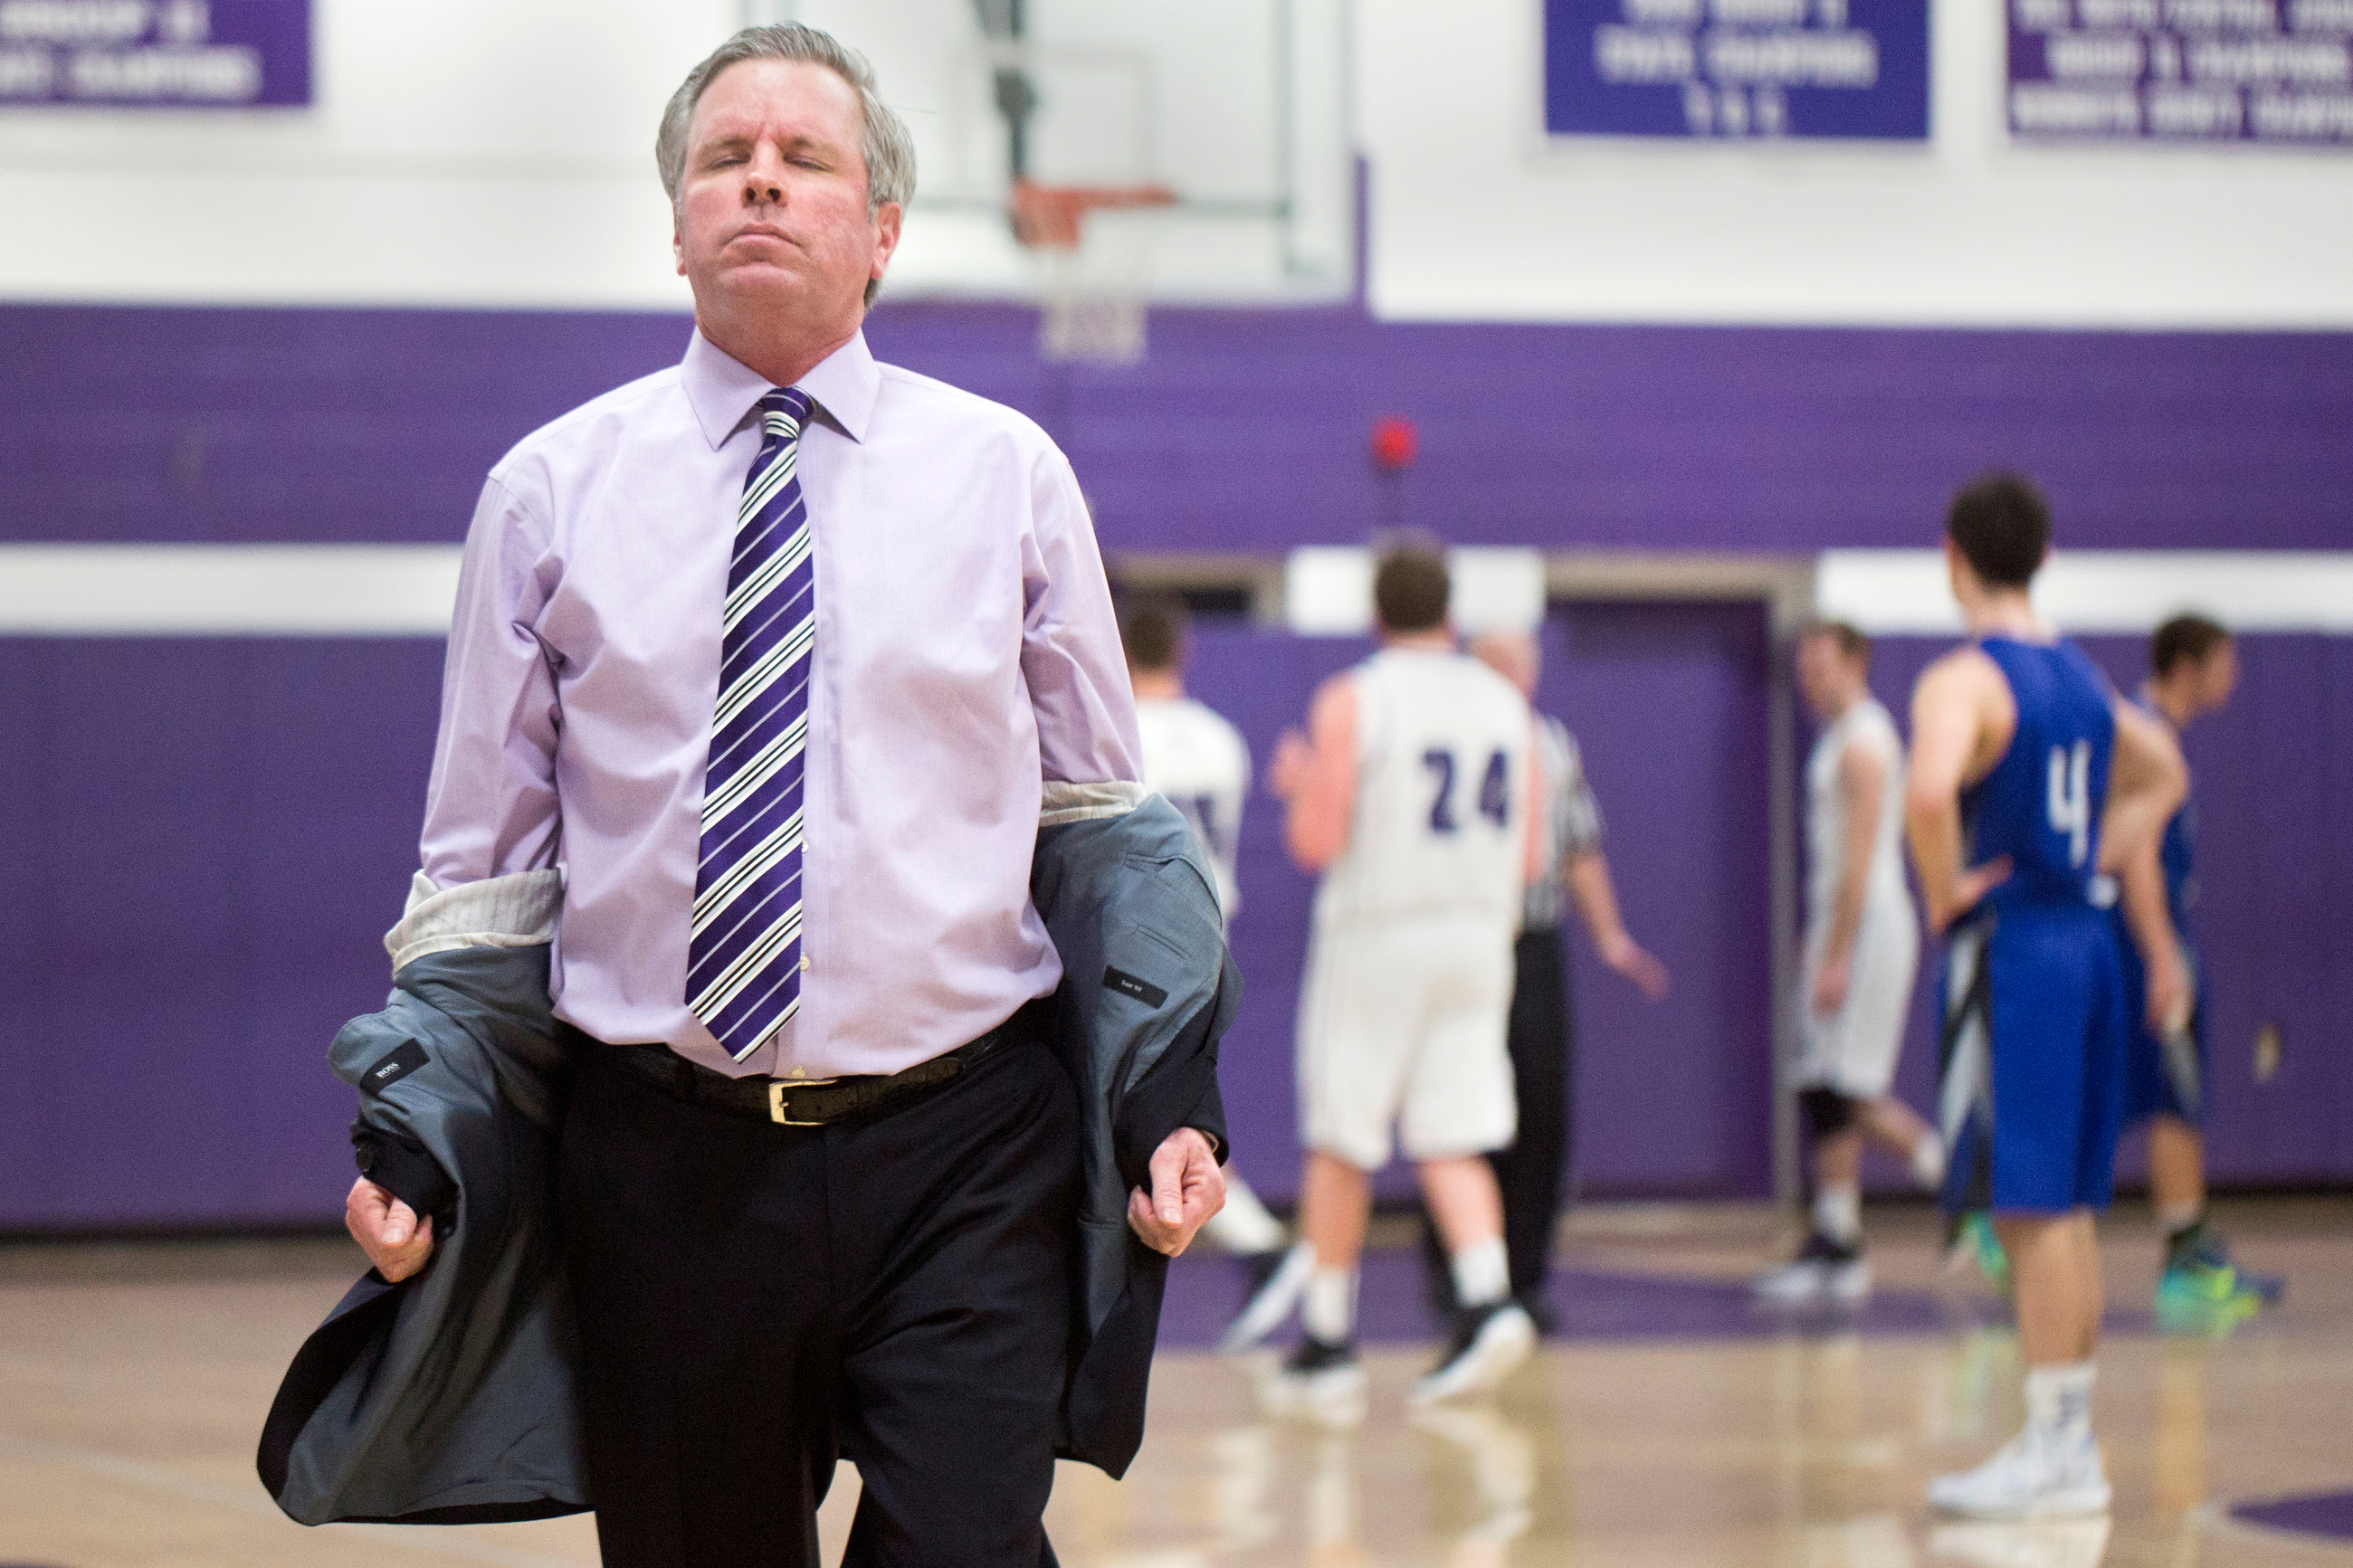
{"x": 2071, "y": 798}
{"x": 1494, "y": 790}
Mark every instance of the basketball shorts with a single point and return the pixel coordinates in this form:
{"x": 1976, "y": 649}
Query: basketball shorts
{"x": 1853, "y": 1051}
{"x": 2162, "y": 1077}
{"x": 2032, "y": 1092}
{"x": 1401, "y": 1025}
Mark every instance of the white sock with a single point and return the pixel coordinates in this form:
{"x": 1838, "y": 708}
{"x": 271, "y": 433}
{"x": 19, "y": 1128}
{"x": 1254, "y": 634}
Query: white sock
{"x": 1483, "y": 1273}
{"x": 1329, "y": 1313}
{"x": 1244, "y": 1224}
{"x": 2175, "y": 1218}
{"x": 2059, "y": 1398}
{"x": 1928, "y": 1160}
{"x": 1837, "y": 1213}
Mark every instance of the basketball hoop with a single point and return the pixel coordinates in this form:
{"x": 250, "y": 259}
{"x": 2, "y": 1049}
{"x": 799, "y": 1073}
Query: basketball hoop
{"x": 1094, "y": 292}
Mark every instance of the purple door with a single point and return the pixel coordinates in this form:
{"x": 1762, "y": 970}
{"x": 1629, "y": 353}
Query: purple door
{"x": 1669, "y": 703}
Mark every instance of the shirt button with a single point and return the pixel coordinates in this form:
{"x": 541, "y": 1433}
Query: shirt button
{"x": 804, "y": 966}
{"x": 798, "y": 1072}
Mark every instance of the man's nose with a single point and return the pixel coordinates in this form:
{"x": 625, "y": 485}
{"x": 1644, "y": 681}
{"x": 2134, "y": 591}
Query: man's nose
{"x": 764, "y": 183}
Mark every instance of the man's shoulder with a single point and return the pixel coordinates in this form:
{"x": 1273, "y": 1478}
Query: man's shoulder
{"x": 589, "y": 431}
{"x": 944, "y": 407}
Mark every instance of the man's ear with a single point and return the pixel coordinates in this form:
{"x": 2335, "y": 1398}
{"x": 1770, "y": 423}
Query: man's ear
{"x": 887, "y": 220}
{"x": 676, "y": 242}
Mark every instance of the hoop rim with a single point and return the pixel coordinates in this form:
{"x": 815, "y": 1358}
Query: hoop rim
{"x": 1053, "y": 217}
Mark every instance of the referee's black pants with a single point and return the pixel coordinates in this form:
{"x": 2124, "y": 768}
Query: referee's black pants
{"x": 1534, "y": 1172}
{"x": 757, "y": 1299}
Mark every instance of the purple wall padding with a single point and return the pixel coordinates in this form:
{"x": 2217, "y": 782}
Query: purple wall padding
{"x": 203, "y": 845}
{"x": 1242, "y": 430}
{"x": 205, "y": 839}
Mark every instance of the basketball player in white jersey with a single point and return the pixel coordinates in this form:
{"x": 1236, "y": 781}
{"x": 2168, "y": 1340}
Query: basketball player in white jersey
{"x": 1860, "y": 954}
{"x": 1410, "y": 794}
{"x": 1193, "y": 756}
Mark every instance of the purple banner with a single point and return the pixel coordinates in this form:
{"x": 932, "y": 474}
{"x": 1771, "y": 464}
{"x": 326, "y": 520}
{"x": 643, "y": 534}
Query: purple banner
{"x": 155, "y": 53}
{"x": 1799, "y": 69}
{"x": 2275, "y": 71}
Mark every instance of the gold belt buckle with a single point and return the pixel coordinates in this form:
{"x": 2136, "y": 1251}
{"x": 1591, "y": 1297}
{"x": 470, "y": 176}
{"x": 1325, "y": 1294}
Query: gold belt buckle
{"x": 777, "y": 1104}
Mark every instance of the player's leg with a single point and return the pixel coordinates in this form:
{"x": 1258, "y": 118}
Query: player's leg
{"x": 2200, "y": 1281}
{"x": 1879, "y": 1006}
{"x": 1357, "y": 1019}
{"x": 1348, "y": 1083}
{"x": 1458, "y": 1107}
{"x": 2054, "y": 1035}
{"x": 1830, "y": 1265}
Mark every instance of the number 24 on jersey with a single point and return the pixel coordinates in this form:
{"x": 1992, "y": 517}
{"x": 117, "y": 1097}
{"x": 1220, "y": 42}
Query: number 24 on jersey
{"x": 1494, "y": 790}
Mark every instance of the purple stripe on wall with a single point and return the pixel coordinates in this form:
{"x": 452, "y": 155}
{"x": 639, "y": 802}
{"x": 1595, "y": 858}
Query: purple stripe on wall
{"x": 1242, "y": 429}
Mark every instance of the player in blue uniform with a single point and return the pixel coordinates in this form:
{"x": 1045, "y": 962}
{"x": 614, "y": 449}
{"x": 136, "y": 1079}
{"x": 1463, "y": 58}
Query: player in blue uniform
{"x": 2031, "y": 783}
{"x": 2192, "y": 670}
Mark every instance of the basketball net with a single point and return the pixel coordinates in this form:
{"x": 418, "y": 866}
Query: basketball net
{"x": 1093, "y": 284}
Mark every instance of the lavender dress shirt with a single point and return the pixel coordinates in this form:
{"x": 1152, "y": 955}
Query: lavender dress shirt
{"x": 965, "y": 653}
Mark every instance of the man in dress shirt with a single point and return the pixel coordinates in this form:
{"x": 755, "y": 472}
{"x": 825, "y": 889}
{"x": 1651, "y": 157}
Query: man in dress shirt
{"x": 891, "y": 1285}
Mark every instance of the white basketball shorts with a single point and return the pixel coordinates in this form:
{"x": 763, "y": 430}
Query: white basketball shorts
{"x": 1853, "y": 1051}
{"x": 1402, "y": 1024}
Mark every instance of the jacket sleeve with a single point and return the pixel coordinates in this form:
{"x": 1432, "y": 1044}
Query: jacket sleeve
{"x": 1181, "y": 1089}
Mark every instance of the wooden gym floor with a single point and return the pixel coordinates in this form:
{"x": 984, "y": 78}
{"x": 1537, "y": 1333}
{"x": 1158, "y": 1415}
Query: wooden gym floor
{"x": 1675, "y": 1425}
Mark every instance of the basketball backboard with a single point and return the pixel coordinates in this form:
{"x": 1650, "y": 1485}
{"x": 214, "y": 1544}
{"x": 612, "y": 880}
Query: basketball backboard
{"x": 1237, "y": 107}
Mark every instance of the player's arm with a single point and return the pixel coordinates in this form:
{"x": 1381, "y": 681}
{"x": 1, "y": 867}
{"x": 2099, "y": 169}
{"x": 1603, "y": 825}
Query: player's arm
{"x": 1532, "y": 856}
{"x": 1596, "y": 892}
{"x": 2153, "y": 936}
{"x": 1315, "y": 776}
{"x": 1862, "y": 796}
{"x": 1952, "y": 707}
{"x": 2146, "y": 782}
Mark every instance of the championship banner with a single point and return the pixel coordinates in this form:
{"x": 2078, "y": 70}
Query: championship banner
{"x": 1750, "y": 70}
{"x": 155, "y": 53}
{"x": 2275, "y": 71}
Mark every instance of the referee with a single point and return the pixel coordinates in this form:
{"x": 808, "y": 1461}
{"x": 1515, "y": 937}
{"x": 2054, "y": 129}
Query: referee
{"x": 771, "y": 652}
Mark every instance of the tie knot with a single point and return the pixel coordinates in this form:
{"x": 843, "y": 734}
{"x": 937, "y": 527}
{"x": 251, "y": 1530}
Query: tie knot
{"x": 783, "y": 411}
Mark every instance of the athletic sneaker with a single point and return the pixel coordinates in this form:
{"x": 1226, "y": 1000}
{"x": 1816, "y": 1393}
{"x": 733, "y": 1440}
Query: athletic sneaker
{"x": 1280, "y": 1279}
{"x": 2038, "y": 1474}
{"x": 2200, "y": 1276}
{"x": 1489, "y": 1344}
{"x": 1823, "y": 1271}
{"x": 1320, "y": 1380}
{"x": 1973, "y": 1240}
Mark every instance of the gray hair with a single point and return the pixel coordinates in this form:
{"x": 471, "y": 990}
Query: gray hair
{"x": 883, "y": 141}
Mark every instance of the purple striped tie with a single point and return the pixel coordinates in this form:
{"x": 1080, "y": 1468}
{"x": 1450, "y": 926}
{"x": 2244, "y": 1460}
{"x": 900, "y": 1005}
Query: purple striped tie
{"x": 743, "y": 957}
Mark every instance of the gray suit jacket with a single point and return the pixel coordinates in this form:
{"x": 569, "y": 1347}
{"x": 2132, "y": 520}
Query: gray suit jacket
{"x": 448, "y": 1398}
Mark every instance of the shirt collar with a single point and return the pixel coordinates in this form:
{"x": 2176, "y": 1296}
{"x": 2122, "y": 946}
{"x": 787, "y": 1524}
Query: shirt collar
{"x": 722, "y": 391}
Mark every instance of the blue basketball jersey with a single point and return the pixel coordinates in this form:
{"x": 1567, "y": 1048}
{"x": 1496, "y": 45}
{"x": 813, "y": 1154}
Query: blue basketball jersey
{"x": 2040, "y": 804}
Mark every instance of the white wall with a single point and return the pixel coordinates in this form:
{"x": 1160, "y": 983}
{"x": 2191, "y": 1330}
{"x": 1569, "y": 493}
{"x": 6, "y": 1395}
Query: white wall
{"x": 1476, "y": 217}
{"x": 497, "y": 152}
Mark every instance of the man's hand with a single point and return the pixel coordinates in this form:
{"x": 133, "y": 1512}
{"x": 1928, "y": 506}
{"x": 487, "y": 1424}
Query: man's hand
{"x": 398, "y": 1243}
{"x": 1186, "y": 1189}
{"x": 1622, "y": 954}
{"x": 1831, "y": 981}
{"x": 1968, "y": 888}
{"x": 1287, "y": 772}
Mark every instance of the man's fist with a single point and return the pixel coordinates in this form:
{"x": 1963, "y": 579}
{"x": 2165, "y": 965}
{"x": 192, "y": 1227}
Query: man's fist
{"x": 387, "y": 1230}
{"x": 1186, "y": 1189}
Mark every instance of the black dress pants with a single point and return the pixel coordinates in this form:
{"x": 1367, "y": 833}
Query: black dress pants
{"x": 756, "y": 1299}
{"x": 1534, "y": 1172}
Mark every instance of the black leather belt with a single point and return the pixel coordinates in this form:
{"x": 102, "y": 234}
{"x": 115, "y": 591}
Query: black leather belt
{"x": 812, "y": 1101}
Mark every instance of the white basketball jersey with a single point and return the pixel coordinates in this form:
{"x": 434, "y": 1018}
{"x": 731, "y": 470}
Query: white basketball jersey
{"x": 1199, "y": 762}
{"x": 1441, "y": 823}
{"x": 1865, "y": 724}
